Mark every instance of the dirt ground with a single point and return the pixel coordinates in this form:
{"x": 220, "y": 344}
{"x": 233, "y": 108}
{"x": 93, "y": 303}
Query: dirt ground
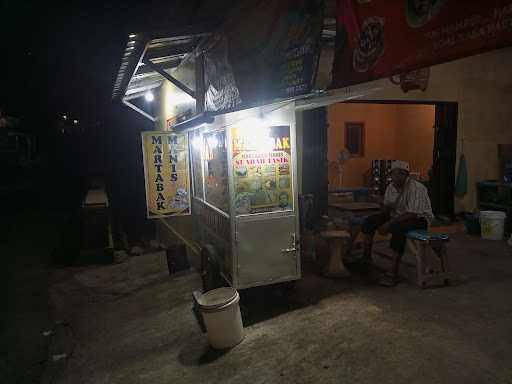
{"x": 132, "y": 323}
{"x": 27, "y": 241}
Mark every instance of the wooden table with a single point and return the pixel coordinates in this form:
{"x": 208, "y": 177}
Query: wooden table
{"x": 359, "y": 210}
{"x": 356, "y": 207}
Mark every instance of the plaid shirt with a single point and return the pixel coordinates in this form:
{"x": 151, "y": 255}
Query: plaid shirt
{"x": 413, "y": 198}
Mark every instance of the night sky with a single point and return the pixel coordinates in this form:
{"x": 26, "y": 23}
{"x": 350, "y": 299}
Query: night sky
{"x": 63, "y": 59}
{"x": 63, "y": 56}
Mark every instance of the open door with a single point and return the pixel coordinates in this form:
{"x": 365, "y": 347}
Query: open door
{"x": 315, "y": 179}
{"x": 442, "y": 187}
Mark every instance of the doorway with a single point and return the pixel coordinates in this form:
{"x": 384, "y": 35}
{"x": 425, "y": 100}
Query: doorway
{"x": 365, "y": 135}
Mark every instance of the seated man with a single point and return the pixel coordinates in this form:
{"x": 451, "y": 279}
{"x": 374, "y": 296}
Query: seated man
{"x": 406, "y": 208}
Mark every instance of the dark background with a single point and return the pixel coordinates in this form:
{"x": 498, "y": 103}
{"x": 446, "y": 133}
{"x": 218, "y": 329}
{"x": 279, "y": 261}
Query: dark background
{"x": 62, "y": 59}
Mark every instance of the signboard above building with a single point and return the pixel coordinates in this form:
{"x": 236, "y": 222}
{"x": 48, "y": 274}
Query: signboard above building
{"x": 265, "y": 51}
{"x": 378, "y": 39}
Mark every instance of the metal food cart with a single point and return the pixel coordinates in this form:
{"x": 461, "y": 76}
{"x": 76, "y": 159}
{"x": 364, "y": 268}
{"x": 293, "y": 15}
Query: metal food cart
{"x": 244, "y": 197}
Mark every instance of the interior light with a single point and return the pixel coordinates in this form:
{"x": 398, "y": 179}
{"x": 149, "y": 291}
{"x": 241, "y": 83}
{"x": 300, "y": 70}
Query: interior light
{"x": 149, "y": 96}
{"x": 255, "y": 132}
{"x": 252, "y": 124}
{"x": 212, "y": 142}
{"x": 178, "y": 98}
{"x": 196, "y": 142}
{"x": 65, "y": 117}
{"x": 75, "y": 121}
{"x": 132, "y": 36}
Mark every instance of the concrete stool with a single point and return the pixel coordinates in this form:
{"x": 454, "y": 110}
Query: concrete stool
{"x": 429, "y": 249}
{"x": 337, "y": 241}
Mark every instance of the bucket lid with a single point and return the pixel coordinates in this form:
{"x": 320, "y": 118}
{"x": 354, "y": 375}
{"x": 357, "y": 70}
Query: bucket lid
{"x": 217, "y": 298}
{"x": 496, "y": 214}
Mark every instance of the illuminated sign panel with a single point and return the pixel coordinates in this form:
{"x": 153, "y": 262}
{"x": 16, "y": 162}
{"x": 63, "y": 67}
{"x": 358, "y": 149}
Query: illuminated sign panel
{"x": 262, "y": 169}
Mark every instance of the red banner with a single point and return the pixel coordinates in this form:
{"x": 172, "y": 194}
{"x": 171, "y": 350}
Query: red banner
{"x": 377, "y": 39}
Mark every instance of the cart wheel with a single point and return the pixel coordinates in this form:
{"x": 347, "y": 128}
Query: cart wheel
{"x": 210, "y": 273}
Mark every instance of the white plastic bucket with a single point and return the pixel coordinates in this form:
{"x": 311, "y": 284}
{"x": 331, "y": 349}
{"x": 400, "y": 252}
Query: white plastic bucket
{"x": 222, "y": 318}
{"x": 493, "y": 224}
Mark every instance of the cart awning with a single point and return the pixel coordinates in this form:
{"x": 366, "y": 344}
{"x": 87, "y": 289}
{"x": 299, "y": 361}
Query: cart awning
{"x": 148, "y": 58}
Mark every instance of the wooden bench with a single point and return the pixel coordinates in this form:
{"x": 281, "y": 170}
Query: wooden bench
{"x": 429, "y": 250}
{"x": 425, "y": 259}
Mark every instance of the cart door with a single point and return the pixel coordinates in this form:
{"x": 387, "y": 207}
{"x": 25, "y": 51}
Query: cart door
{"x": 267, "y": 250}
{"x": 264, "y": 203}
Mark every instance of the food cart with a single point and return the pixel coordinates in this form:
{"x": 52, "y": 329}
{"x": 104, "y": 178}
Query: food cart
{"x": 214, "y": 90}
{"x": 244, "y": 203}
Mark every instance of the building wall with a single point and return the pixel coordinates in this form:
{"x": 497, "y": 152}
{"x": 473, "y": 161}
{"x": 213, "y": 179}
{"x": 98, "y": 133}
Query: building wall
{"x": 171, "y": 102}
{"x": 391, "y": 132}
{"x": 183, "y": 227}
{"x": 379, "y": 122}
{"x": 482, "y": 86}
{"x": 165, "y": 109}
{"x": 415, "y": 136}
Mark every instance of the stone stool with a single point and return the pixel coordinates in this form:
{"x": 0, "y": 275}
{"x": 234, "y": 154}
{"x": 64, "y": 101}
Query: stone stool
{"x": 429, "y": 249}
{"x": 337, "y": 241}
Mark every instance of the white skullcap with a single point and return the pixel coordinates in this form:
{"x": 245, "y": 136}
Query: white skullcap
{"x": 399, "y": 164}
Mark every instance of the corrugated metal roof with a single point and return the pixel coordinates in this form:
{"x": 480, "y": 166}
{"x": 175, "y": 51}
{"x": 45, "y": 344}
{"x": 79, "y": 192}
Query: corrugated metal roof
{"x": 167, "y": 49}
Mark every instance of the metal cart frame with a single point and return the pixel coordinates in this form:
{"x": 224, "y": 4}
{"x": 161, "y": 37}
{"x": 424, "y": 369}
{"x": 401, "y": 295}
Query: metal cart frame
{"x": 252, "y": 249}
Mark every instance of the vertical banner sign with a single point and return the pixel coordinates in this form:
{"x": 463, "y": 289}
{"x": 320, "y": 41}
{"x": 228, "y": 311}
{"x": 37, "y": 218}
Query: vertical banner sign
{"x": 262, "y": 169}
{"x": 166, "y": 174}
{"x": 378, "y": 39}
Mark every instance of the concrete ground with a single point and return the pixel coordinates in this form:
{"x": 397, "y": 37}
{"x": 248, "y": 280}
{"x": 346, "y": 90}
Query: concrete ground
{"x": 132, "y": 323}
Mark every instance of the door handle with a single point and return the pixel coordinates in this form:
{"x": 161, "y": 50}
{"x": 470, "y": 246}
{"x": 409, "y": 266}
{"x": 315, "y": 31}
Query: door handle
{"x": 293, "y": 245}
